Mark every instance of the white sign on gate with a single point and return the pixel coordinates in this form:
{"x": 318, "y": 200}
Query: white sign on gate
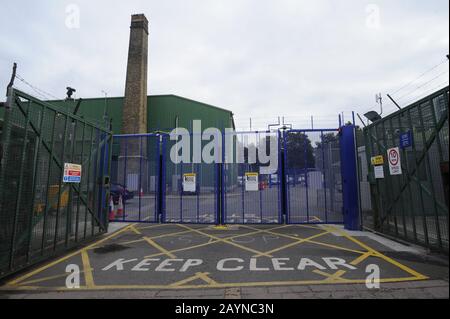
{"x": 252, "y": 182}
{"x": 379, "y": 172}
{"x": 395, "y": 165}
{"x": 190, "y": 183}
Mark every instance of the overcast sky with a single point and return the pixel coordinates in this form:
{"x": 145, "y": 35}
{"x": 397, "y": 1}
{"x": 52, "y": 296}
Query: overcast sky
{"x": 260, "y": 59}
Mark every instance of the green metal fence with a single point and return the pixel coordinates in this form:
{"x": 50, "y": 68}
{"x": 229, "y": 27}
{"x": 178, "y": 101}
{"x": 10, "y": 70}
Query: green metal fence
{"x": 412, "y": 206}
{"x": 40, "y": 215}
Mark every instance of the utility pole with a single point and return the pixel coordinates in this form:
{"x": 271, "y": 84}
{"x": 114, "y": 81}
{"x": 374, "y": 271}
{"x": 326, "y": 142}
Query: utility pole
{"x": 105, "y": 111}
{"x": 379, "y": 100}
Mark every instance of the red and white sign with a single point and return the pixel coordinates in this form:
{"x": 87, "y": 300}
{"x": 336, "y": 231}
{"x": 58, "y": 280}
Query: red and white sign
{"x": 72, "y": 173}
{"x": 395, "y": 166}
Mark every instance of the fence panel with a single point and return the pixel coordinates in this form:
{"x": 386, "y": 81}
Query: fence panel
{"x": 190, "y": 187}
{"x": 313, "y": 177}
{"x": 242, "y": 203}
{"x": 136, "y": 178}
{"x": 40, "y": 215}
{"x": 414, "y": 205}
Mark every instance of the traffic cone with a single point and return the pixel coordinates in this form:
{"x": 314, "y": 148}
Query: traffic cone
{"x": 112, "y": 215}
{"x": 120, "y": 207}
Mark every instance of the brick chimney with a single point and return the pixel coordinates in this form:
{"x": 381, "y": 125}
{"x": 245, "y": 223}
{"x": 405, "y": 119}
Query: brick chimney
{"x": 133, "y": 152}
{"x": 135, "y": 104}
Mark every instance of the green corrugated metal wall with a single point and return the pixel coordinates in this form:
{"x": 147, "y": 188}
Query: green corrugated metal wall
{"x": 162, "y": 113}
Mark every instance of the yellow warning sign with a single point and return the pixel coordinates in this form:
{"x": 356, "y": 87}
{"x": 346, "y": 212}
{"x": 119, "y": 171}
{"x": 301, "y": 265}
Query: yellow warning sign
{"x": 377, "y": 160}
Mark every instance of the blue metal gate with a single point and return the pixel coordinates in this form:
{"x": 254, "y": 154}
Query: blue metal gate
{"x": 198, "y": 204}
{"x": 135, "y": 178}
{"x": 312, "y": 166}
{"x": 302, "y": 184}
{"x": 244, "y": 203}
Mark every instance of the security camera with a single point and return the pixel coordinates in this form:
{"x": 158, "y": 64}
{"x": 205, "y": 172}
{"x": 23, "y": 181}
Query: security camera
{"x": 70, "y": 92}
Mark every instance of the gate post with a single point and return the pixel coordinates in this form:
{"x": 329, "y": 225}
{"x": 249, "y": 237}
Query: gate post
{"x": 349, "y": 169}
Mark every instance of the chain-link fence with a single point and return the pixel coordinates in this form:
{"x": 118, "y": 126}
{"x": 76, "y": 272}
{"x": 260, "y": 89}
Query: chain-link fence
{"x": 413, "y": 205}
{"x": 40, "y": 214}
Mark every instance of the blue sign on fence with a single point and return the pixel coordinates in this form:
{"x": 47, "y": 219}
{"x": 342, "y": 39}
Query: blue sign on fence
{"x": 406, "y": 140}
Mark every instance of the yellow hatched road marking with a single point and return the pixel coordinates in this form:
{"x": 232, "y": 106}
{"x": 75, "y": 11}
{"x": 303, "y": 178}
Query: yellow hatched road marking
{"x": 227, "y": 241}
{"x": 211, "y": 241}
{"x": 378, "y": 254}
{"x": 135, "y": 230}
{"x": 361, "y": 258}
{"x": 35, "y": 281}
{"x": 88, "y": 277}
{"x": 160, "y": 248}
{"x": 58, "y": 261}
{"x": 300, "y": 241}
{"x": 337, "y": 276}
{"x": 200, "y": 275}
{"x": 309, "y": 241}
{"x": 153, "y": 226}
{"x": 156, "y": 237}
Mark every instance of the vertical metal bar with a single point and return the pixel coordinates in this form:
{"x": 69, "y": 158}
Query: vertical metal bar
{"x": 5, "y": 141}
{"x": 433, "y": 194}
{"x": 157, "y": 174}
{"x": 96, "y": 182}
{"x": 181, "y": 192}
{"x": 125, "y": 176}
{"x": 438, "y": 137}
{"x": 20, "y": 187}
{"x": 224, "y": 180}
{"x": 243, "y": 184}
{"x": 163, "y": 179}
{"x": 422, "y": 204}
{"x": 259, "y": 188}
{"x": 36, "y": 159}
{"x": 80, "y": 186}
{"x": 104, "y": 189}
{"x": 358, "y": 175}
{"x": 374, "y": 191}
{"x": 88, "y": 182}
{"x": 70, "y": 204}
{"x": 286, "y": 180}
{"x": 405, "y": 233}
{"x": 408, "y": 178}
{"x": 60, "y": 187}
{"x": 390, "y": 183}
{"x": 260, "y": 206}
{"x": 108, "y": 196}
{"x": 445, "y": 96}
{"x": 324, "y": 175}
{"x": 198, "y": 194}
{"x": 140, "y": 177}
{"x": 306, "y": 178}
{"x": 280, "y": 218}
{"x": 50, "y": 161}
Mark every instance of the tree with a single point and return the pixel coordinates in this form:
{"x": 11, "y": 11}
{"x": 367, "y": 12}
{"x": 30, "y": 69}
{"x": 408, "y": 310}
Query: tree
{"x": 300, "y": 153}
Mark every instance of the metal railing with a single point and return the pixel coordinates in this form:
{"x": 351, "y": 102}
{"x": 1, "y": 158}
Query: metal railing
{"x": 412, "y": 206}
{"x": 40, "y": 215}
